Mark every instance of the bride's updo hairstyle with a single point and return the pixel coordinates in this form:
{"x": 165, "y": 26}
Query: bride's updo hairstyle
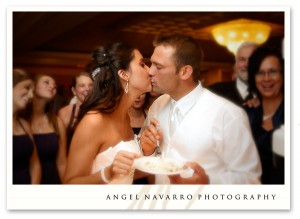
{"x": 107, "y": 89}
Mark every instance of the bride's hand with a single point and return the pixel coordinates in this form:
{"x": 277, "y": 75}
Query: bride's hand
{"x": 122, "y": 163}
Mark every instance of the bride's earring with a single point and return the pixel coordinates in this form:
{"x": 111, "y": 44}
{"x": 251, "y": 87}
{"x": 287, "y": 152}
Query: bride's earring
{"x": 126, "y": 87}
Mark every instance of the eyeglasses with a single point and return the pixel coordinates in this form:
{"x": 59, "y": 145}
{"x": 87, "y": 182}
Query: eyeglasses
{"x": 272, "y": 73}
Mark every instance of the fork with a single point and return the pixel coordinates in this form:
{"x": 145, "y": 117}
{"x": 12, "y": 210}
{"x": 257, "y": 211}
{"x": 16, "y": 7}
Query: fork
{"x": 158, "y": 152}
{"x": 137, "y": 141}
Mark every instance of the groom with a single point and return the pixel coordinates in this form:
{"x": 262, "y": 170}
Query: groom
{"x": 193, "y": 124}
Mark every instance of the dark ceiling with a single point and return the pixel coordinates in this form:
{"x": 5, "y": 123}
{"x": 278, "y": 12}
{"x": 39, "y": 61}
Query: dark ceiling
{"x": 81, "y": 32}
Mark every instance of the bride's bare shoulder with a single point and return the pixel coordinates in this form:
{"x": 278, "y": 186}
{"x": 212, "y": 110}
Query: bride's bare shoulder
{"x": 94, "y": 120}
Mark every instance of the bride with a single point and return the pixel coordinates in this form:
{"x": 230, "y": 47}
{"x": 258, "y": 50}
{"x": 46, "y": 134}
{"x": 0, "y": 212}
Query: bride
{"x": 102, "y": 150}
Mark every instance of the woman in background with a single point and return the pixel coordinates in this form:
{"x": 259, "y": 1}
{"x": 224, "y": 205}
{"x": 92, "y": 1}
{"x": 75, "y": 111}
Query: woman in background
{"x": 266, "y": 79}
{"x": 26, "y": 164}
{"x": 138, "y": 113}
{"x": 151, "y": 97}
{"x": 82, "y": 85}
{"x": 48, "y": 130}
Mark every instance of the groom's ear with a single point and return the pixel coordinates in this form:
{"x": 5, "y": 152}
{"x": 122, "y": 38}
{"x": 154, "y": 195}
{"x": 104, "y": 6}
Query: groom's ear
{"x": 186, "y": 72}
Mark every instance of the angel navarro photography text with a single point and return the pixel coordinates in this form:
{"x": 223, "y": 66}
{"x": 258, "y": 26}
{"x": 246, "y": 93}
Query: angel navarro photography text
{"x": 181, "y": 197}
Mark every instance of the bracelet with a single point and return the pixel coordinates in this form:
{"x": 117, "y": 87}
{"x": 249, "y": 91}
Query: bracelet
{"x": 103, "y": 177}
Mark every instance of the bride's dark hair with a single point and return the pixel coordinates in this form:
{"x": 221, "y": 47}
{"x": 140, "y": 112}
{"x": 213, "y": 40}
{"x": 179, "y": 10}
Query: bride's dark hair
{"x": 107, "y": 88}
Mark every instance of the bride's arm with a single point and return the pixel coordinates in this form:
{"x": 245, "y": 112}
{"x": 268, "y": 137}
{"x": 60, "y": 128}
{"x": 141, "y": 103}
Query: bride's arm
{"x": 90, "y": 134}
{"x": 85, "y": 143}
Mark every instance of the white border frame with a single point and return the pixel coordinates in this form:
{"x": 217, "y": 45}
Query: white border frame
{"x": 94, "y": 197}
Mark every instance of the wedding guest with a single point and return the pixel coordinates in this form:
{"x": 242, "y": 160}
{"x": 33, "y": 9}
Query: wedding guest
{"x": 82, "y": 85}
{"x": 151, "y": 97}
{"x": 266, "y": 79}
{"x": 211, "y": 134}
{"x": 26, "y": 164}
{"x": 237, "y": 90}
{"x": 102, "y": 149}
{"x": 48, "y": 130}
{"x": 138, "y": 114}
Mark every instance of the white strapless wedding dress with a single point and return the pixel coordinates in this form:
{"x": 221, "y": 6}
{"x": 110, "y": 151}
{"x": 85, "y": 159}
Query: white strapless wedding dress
{"x": 105, "y": 158}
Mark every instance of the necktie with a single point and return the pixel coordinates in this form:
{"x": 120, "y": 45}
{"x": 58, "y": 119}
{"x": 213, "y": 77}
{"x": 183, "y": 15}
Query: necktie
{"x": 173, "y": 118}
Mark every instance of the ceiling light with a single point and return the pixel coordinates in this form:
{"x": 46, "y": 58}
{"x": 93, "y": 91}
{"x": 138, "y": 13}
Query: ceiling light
{"x": 233, "y": 33}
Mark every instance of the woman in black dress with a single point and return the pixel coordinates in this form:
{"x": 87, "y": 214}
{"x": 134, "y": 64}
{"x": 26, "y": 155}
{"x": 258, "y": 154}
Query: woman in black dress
{"x": 266, "y": 79}
{"x": 138, "y": 113}
{"x": 48, "y": 130}
{"x": 26, "y": 165}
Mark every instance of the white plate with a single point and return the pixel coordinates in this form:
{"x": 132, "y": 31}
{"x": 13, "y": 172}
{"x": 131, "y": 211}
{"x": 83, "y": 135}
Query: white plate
{"x": 158, "y": 165}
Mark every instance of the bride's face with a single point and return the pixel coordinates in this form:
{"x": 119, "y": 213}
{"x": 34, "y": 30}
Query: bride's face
{"x": 139, "y": 78}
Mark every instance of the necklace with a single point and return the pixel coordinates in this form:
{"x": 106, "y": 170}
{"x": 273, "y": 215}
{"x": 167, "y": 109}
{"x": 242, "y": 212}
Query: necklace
{"x": 41, "y": 126}
{"x": 266, "y": 117}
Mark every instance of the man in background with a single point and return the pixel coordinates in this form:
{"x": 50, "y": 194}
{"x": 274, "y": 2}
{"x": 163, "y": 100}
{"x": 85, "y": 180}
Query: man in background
{"x": 237, "y": 90}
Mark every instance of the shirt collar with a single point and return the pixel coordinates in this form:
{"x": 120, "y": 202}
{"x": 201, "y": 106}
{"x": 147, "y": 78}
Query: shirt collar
{"x": 185, "y": 103}
{"x": 242, "y": 88}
